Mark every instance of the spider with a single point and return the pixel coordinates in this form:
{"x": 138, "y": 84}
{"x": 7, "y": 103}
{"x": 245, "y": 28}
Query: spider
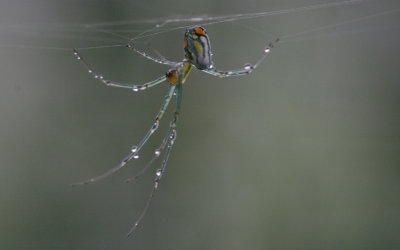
{"x": 198, "y": 54}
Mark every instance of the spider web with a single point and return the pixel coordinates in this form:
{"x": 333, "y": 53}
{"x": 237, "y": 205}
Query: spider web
{"x": 358, "y": 15}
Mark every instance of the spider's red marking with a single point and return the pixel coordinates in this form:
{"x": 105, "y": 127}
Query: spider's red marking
{"x": 199, "y": 31}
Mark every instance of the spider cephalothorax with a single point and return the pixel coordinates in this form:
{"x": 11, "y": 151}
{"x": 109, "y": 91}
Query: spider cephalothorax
{"x": 179, "y": 74}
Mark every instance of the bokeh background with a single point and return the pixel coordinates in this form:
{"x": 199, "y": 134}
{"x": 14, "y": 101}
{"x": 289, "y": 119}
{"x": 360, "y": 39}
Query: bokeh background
{"x": 302, "y": 154}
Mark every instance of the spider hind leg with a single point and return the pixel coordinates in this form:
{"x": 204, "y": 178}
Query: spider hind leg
{"x": 247, "y": 68}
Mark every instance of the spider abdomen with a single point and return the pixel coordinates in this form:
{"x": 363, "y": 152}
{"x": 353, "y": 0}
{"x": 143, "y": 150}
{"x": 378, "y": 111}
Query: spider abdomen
{"x": 197, "y": 48}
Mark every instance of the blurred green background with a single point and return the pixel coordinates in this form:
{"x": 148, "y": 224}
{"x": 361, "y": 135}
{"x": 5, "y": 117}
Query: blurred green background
{"x": 302, "y": 154}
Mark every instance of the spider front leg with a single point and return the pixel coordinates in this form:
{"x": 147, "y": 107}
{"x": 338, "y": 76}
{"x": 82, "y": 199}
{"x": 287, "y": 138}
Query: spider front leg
{"x": 134, "y": 87}
{"x": 157, "y": 154}
{"x": 171, "y": 133}
{"x": 247, "y": 69}
{"x": 135, "y": 149}
{"x": 170, "y": 138}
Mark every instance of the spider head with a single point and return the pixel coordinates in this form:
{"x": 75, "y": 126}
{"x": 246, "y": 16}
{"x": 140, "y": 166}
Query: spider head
{"x": 197, "y": 48}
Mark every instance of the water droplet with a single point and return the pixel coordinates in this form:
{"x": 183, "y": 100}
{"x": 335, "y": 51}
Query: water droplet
{"x": 136, "y": 157}
{"x": 134, "y": 149}
{"x": 248, "y": 66}
{"x": 75, "y": 53}
{"x": 90, "y": 71}
{"x": 135, "y": 88}
{"x": 101, "y": 77}
{"x": 155, "y": 126}
{"x": 96, "y": 76}
{"x": 157, "y": 152}
{"x": 267, "y": 49}
{"x": 158, "y": 173}
{"x": 78, "y": 57}
{"x": 173, "y": 135}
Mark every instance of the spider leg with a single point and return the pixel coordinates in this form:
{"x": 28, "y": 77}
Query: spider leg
{"x": 161, "y": 60}
{"x": 157, "y": 154}
{"x": 159, "y": 150}
{"x": 134, "y": 87}
{"x": 135, "y": 149}
{"x": 247, "y": 69}
{"x": 171, "y": 137}
{"x": 167, "y": 99}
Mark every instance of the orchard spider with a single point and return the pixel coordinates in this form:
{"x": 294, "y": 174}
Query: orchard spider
{"x": 197, "y": 54}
